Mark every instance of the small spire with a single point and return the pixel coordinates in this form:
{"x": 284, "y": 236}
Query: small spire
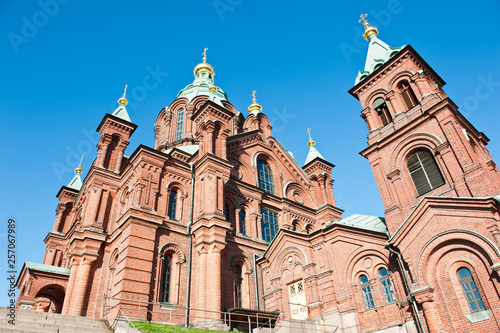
{"x": 369, "y": 30}
{"x": 310, "y": 142}
{"x": 79, "y": 169}
{"x": 76, "y": 182}
{"x": 254, "y": 106}
{"x": 123, "y": 99}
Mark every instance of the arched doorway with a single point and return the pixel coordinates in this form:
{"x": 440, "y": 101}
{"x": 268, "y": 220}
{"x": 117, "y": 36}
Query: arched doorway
{"x": 50, "y": 299}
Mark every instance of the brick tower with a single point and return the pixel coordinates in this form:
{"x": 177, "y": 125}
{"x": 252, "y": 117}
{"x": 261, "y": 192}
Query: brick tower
{"x": 437, "y": 181}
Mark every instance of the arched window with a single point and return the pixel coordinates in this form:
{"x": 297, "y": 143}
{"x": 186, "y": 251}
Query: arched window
{"x": 269, "y": 224}
{"x": 237, "y": 286}
{"x": 407, "y": 94}
{"x": 470, "y": 290}
{"x": 166, "y": 276}
{"x": 180, "y": 124}
{"x": 172, "y": 204}
{"x": 265, "y": 176}
{"x": 386, "y": 285}
{"x": 242, "y": 222}
{"x": 367, "y": 292}
{"x": 382, "y": 111}
{"x": 424, "y": 171}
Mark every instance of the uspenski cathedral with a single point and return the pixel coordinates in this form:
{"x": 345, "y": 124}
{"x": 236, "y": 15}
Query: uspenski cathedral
{"x": 216, "y": 225}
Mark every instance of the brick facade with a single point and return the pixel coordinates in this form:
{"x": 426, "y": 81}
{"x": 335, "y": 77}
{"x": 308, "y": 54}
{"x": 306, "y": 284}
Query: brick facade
{"x": 197, "y": 206}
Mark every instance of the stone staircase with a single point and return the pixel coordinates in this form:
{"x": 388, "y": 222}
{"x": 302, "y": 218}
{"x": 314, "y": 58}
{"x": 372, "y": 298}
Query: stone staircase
{"x": 43, "y": 322}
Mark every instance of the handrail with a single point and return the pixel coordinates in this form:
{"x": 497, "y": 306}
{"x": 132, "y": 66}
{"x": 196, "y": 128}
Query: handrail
{"x": 106, "y": 296}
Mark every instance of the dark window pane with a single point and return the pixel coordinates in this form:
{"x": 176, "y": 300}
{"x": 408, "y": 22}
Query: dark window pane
{"x": 172, "y": 204}
{"x": 265, "y": 176}
{"x": 269, "y": 224}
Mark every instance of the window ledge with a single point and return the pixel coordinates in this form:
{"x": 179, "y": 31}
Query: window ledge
{"x": 478, "y": 316}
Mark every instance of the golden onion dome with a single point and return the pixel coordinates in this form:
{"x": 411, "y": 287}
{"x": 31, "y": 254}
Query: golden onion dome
{"x": 123, "y": 99}
{"x": 79, "y": 169}
{"x": 254, "y": 105}
{"x": 204, "y": 66}
{"x": 369, "y": 30}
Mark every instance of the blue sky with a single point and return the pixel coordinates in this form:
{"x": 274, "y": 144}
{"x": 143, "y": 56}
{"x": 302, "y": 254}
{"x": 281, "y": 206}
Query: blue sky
{"x": 65, "y": 63}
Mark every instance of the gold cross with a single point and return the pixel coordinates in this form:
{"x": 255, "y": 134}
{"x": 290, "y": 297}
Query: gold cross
{"x": 309, "y": 132}
{"x": 205, "y": 54}
{"x": 253, "y": 94}
{"x": 363, "y": 18}
{"x": 125, "y": 91}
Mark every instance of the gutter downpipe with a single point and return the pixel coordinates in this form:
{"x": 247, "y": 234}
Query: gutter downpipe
{"x": 190, "y": 255}
{"x": 255, "y": 281}
{"x": 405, "y": 277}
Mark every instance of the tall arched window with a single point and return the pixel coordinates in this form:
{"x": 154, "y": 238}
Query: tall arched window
{"x": 242, "y": 221}
{"x": 237, "y": 286}
{"x": 265, "y": 176}
{"x": 226, "y": 212}
{"x": 386, "y": 285}
{"x": 382, "y": 111}
{"x": 407, "y": 94}
{"x": 424, "y": 171}
{"x": 172, "y": 204}
{"x": 166, "y": 276}
{"x": 180, "y": 124}
{"x": 269, "y": 224}
{"x": 470, "y": 290}
{"x": 367, "y": 292}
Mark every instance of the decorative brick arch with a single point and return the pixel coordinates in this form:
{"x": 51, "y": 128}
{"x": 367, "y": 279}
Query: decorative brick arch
{"x": 240, "y": 260}
{"x": 410, "y": 143}
{"x": 403, "y": 75}
{"x": 294, "y": 191}
{"x": 381, "y": 92}
{"x": 350, "y": 273}
{"x": 174, "y": 249}
{"x": 282, "y": 263}
{"x": 469, "y": 240}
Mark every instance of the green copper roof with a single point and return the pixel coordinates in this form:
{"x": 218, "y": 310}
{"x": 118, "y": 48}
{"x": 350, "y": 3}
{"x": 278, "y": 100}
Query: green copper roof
{"x": 76, "y": 182}
{"x": 378, "y": 53}
{"x": 366, "y": 222}
{"x": 313, "y": 153}
{"x": 200, "y": 87}
{"x": 46, "y": 268}
{"x": 121, "y": 112}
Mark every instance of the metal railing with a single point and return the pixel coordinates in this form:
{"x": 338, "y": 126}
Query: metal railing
{"x": 121, "y": 309}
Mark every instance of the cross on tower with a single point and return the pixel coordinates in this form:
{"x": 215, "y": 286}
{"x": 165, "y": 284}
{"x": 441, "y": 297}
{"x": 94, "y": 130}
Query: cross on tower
{"x": 309, "y": 132}
{"x": 205, "y": 54}
{"x": 363, "y": 19}
{"x": 253, "y": 95}
{"x": 149, "y": 180}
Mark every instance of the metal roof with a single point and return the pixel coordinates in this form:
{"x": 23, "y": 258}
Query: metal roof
{"x": 47, "y": 268}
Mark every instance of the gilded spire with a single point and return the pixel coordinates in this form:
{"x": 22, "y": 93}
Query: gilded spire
{"x": 310, "y": 142}
{"x": 254, "y": 106}
{"x": 79, "y": 169}
{"x": 369, "y": 30}
{"x": 213, "y": 87}
{"x": 123, "y": 99}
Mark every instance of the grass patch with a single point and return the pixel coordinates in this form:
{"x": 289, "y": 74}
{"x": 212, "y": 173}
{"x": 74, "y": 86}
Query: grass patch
{"x": 146, "y": 327}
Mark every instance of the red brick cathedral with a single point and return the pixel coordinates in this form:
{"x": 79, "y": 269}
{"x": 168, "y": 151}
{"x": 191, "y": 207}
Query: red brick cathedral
{"x": 218, "y": 219}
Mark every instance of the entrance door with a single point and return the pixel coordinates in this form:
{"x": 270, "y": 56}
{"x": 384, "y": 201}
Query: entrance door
{"x": 297, "y": 299}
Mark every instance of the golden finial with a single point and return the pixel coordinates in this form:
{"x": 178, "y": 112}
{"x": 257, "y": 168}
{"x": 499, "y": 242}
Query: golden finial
{"x": 311, "y": 142}
{"x": 123, "y": 99}
{"x": 254, "y": 105}
{"x": 213, "y": 87}
{"x": 205, "y": 54}
{"x": 363, "y": 19}
{"x": 369, "y": 30}
{"x": 79, "y": 168}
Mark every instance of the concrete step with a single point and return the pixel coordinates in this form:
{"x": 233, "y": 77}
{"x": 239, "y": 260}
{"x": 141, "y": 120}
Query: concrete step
{"x": 44, "y": 322}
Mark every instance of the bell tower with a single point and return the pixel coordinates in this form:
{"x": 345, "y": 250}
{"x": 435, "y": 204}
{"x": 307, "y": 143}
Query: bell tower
{"x": 419, "y": 144}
